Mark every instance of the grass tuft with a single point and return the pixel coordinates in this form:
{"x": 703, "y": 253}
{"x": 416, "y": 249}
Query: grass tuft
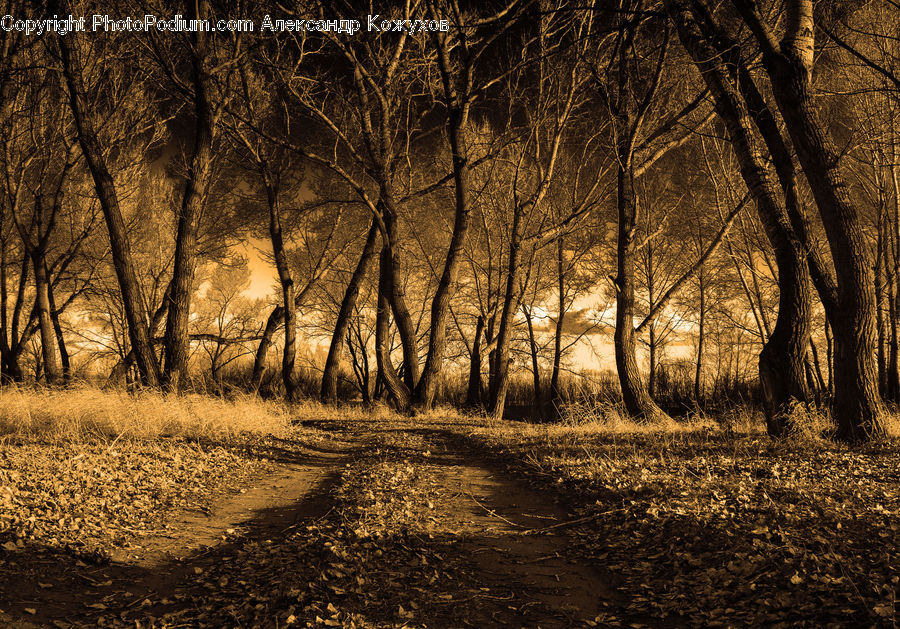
{"x": 88, "y": 412}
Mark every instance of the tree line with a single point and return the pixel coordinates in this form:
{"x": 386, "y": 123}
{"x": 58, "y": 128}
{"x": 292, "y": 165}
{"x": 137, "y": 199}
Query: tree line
{"x": 449, "y": 201}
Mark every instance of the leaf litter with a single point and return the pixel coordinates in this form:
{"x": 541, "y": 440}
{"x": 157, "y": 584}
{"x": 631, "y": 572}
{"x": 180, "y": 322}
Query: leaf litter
{"x": 696, "y": 529}
{"x": 719, "y": 529}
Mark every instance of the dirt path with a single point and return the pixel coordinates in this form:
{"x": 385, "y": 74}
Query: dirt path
{"x": 514, "y": 556}
{"x": 391, "y": 527}
{"x": 506, "y": 542}
{"x": 158, "y": 570}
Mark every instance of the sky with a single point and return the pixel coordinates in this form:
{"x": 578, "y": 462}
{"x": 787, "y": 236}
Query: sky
{"x": 262, "y": 272}
{"x": 594, "y": 351}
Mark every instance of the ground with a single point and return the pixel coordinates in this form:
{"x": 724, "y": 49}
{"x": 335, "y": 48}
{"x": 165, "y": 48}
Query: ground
{"x": 430, "y": 522}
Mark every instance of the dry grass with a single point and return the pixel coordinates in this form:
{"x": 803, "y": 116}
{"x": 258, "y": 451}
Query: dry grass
{"x": 604, "y": 418}
{"x": 85, "y": 412}
{"x": 88, "y": 412}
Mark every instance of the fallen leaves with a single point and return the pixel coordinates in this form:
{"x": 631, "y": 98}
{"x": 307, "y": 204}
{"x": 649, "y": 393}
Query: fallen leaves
{"x": 706, "y": 529}
{"x": 105, "y": 497}
{"x": 721, "y": 529}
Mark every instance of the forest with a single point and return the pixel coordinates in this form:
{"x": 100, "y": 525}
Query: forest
{"x": 602, "y": 249}
{"x": 438, "y": 209}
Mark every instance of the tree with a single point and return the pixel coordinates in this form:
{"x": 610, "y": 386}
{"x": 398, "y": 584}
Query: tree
{"x": 551, "y": 91}
{"x": 91, "y": 147}
{"x": 781, "y": 362}
{"x": 206, "y": 114}
{"x": 789, "y": 64}
{"x": 630, "y": 74}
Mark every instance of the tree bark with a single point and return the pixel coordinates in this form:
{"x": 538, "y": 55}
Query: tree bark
{"x": 288, "y": 305}
{"x": 135, "y": 313}
{"x": 473, "y": 392}
{"x": 892, "y": 384}
{"x": 892, "y": 259}
{"x": 781, "y": 361}
{"x": 35, "y": 239}
{"x": 457, "y": 119}
{"x": 626, "y": 118}
{"x": 856, "y": 405}
{"x": 538, "y": 396}
{"x": 701, "y": 338}
{"x": 52, "y": 370}
{"x": 499, "y": 381}
{"x": 265, "y": 343}
{"x": 821, "y": 273}
{"x": 328, "y": 391}
{"x": 820, "y": 380}
{"x": 652, "y": 363}
{"x": 638, "y": 403}
{"x": 393, "y": 384}
{"x": 4, "y": 303}
{"x": 177, "y": 343}
{"x": 390, "y": 266}
{"x": 880, "y": 323}
{"x": 490, "y": 340}
{"x": 404, "y": 322}
{"x": 58, "y": 331}
{"x": 829, "y": 357}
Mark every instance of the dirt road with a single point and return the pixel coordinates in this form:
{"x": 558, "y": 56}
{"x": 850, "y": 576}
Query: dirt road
{"x": 387, "y": 526}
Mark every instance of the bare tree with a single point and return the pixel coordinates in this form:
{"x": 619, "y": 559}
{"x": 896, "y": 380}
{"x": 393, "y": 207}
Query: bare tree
{"x": 89, "y": 140}
{"x": 789, "y": 65}
{"x": 781, "y": 361}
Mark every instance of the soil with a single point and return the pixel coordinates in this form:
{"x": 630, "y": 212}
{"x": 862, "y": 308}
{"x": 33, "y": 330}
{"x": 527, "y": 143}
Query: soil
{"x": 513, "y": 554}
{"x": 511, "y": 536}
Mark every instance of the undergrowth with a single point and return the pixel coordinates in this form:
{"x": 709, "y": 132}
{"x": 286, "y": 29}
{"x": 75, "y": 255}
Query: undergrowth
{"x": 88, "y": 412}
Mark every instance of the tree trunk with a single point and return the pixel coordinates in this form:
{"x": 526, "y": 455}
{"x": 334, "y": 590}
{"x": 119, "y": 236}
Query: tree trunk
{"x": 781, "y": 361}
{"x": 555, "y": 399}
{"x": 177, "y": 341}
{"x": 10, "y": 369}
{"x": 276, "y": 317}
{"x": 4, "y": 304}
{"x": 820, "y": 379}
{"x": 135, "y": 313}
{"x": 892, "y": 388}
{"x": 701, "y": 338}
{"x": 490, "y": 340}
{"x": 821, "y": 273}
{"x": 892, "y": 259}
{"x": 393, "y": 384}
{"x": 289, "y": 353}
{"x": 328, "y": 391}
{"x": 829, "y": 357}
{"x": 60, "y": 337}
{"x": 440, "y": 304}
{"x": 288, "y": 305}
{"x": 499, "y": 383}
{"x": 856, "y": 405}
{"x": 12, "y": 361}
{"x": 652, "y": 340}
{"x": 390, "y": 263}
{"x": 880, "y": 323}
{"x": 638, "y": 403}
{"x": 473, "y": 392}
{"x": 52, "y": 371}
{"x": 811, "y": 384}
{"x": 652, "y": 364}
{"x": 538, "y": 397}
